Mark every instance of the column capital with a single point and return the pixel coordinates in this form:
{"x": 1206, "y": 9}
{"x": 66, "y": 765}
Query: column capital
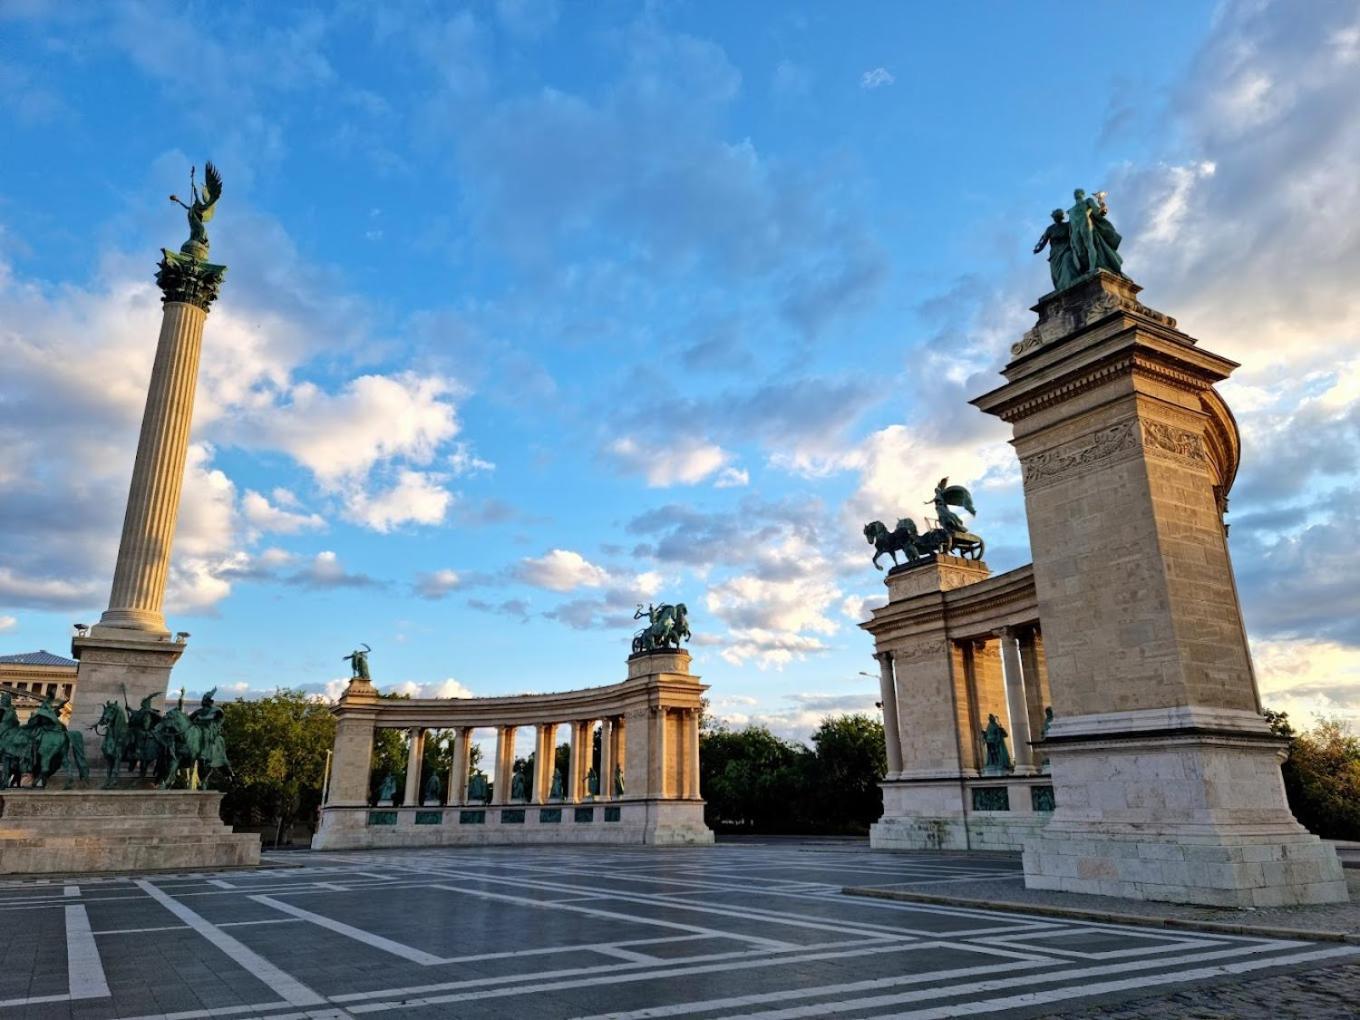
{"x": 184, "y": 278}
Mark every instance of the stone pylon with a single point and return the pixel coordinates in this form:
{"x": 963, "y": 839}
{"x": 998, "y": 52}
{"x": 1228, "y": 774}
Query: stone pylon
{"x": 129, "y": 653}
{"x": 1165, "y": 774}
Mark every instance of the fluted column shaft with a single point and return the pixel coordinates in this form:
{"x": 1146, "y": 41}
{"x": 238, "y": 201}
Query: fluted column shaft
{"x": 157, "y": 474}
{"x": 606, "y": 777}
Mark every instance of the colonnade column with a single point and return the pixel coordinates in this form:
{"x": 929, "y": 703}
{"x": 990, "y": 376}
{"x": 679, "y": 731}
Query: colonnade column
{"x": 457, "y": 788}
{"x": 606, "y": 759}
{"x": 892, "y": 734}
{"x": 1035, "y": 672}
{"x": 572, "y": 783}
{"x": 691, "y": 730}
{"x": 1015, "y": 700}
{"x": 656, "y": 752}
{"x": 544, "y": 753}
{"x": 500, "y": 769}
{"x": 415, "y": 747}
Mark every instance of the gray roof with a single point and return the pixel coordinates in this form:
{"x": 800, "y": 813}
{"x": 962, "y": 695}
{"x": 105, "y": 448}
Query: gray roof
{"x": 39, "y": 658}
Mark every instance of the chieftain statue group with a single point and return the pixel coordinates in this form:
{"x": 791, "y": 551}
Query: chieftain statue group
{"x": 168, "y": 748}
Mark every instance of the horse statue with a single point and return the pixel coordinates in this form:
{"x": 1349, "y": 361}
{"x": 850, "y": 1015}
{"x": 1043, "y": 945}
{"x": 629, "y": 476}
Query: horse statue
{"x": 143, "y": 749}
{"x": 667, "y": 626}
{"x": 901, "y": 539}
{"x": 15, "y": 751}
{"x": 113, "y": 726}
{"x": 40, "y": 747}
{"x": 179, "y": 744}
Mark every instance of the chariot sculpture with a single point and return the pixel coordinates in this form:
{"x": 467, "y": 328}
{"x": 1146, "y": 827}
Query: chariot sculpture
{"x": 948, "y": 536}
{"x": 667, "y": 626}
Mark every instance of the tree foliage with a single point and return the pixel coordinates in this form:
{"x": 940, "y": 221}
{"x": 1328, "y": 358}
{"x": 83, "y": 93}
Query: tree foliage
{"x": 277, "y": 746}
{"x": 754, "y": 781}
{"x": 1322, "y": 776}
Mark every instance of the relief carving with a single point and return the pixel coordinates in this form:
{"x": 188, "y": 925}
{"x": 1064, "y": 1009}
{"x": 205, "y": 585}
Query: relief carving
{"x": 921, "y": 652}
{"x": 1172, "y": 439}
{"x": 1098, "y": 446}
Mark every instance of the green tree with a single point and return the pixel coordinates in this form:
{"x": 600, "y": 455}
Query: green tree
{"x": 851, "y": 762}
{"x": 277, "y": 746}
{"x": 1322, "y": 776}
{"x": 753, "y": 781}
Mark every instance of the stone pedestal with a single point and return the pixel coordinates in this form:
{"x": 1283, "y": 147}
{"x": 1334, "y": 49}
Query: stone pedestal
{"x": 115, "y": 664}
{"x": 1165, "y": 774}
{"x": 73, "y": 832}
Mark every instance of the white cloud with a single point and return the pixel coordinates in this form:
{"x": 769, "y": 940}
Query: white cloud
{"x": 415, "y": 498}
{"x": 326, "y": 571}
{"x": 876, "y": 78}
{"x": 561, "y": 570}
{"x": 8, "y": 623}
{"x": 262, "y": 515}
{"x": 436, "y": 584}
{"x": 732, "y": 478}
{"x": 1309, "y": 679}
{"x": 449, "y": 688}
{"x": 679, "y": 462}
{"x": 341, "y": 436}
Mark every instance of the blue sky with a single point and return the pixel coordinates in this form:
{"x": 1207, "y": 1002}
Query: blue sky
{"x": 537, "y": 310}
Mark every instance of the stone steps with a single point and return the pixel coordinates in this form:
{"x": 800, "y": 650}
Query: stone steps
{"x": 79, "y": 831}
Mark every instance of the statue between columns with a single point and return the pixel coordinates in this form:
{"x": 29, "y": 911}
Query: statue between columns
{"x": 994, "y": 739}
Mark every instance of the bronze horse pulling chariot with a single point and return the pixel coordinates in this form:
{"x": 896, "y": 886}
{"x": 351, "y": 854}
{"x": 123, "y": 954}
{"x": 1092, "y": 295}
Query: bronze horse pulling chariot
{"x": 948, "y": 537}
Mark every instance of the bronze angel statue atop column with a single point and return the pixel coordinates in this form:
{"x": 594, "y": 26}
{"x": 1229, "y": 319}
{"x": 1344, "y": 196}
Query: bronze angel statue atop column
{"x": 201, "y": 210}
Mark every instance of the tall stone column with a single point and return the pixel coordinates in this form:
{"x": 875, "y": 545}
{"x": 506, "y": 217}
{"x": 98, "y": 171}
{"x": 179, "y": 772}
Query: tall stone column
{"x": 129, "y": 650}
{"x": 415, "y": 747}
{"x": 1017, "y": 708}
{"x": 458, "y": 774}
{"x": 571, "y": 786}
{"x": 1166, "y": 777}
{"x": 692, "y": 755}
{"x": 543, "y": 762}
{"x": 887, "y": 691}
{"x": 606, "y": 759}
{"x": 1035, "y": 671}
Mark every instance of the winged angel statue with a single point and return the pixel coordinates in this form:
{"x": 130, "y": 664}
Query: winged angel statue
{"x": 201, "y": 211}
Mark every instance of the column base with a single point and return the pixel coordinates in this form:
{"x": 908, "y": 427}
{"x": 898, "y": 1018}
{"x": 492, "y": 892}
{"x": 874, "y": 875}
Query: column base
{"x": 1186, "y": 866}
{"x": 143, "y": 620}
{"x": 1183, "y": 815}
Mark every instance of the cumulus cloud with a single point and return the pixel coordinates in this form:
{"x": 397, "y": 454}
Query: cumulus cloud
{"x": 8, "y": 623}
{"x": 561, "y": 570}
{"x": 447, "y": 688}
{"x": 265, "y": 516}
{"x": 325, "y": 570}
{"x": 415, "y": 497}
{"x": 678, "y": 462}
{"x": 436, "y": 584}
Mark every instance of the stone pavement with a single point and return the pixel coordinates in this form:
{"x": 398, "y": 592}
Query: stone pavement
{"x": 749, "y": 930}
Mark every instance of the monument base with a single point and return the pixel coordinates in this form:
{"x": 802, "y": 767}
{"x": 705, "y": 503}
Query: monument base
{"x": 77, "y": 831}
{"x": 997, "y": 813}
{"x": 117, "y": 665}
{"x": 629, "y": 822}
{"x": 1187, "y": 814}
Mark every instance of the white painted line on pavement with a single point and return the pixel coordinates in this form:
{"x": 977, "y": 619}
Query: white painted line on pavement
{"x": 84, "y": 969}
{"x": 293, "y": 990}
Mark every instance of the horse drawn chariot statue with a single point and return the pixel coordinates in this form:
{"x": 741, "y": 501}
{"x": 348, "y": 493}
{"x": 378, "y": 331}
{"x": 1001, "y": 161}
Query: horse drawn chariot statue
{"x": 667, "y": 626}
{"x": 947, "y": 536}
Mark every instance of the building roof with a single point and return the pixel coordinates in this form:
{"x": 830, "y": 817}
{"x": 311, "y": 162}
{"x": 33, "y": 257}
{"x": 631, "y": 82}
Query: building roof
{"x": 38, "y": 658}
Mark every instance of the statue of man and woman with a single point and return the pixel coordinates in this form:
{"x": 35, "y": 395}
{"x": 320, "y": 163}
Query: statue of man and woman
{"x": 1087, "y": 241}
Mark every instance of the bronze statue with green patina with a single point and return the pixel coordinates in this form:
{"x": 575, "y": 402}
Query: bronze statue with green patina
{"x": 200, "y": 210}
{"x": 667, "y": 626}
{"x": 994, "y": 741}
{"x": 358, "y": 660}
{"x": 40, "y": 747}
{"x": 948, "y": 536}
{"x": 1085, "y": 243}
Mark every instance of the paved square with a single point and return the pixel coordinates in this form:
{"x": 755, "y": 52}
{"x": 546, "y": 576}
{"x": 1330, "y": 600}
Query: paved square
{"x": 733, "y": 930}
